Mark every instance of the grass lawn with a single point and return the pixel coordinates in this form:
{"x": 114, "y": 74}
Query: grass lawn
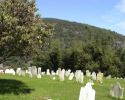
{"x": 25, "y": 88}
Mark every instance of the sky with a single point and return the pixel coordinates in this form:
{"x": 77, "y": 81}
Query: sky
{"x": 109, "y": 14}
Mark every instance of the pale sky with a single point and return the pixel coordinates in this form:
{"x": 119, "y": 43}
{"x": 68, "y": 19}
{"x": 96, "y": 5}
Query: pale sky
{"x": 109, "y": 14}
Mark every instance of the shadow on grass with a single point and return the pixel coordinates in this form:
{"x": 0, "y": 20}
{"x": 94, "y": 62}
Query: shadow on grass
{"x": 8, "y": 86}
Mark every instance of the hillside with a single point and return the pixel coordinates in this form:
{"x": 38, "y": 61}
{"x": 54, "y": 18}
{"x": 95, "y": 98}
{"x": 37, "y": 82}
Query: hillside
{"x": 67, "y": 31}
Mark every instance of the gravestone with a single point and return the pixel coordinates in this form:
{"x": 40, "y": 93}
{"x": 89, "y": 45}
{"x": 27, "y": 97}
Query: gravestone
{"x": 29, "y": 72}
{"x": 61, "y": 75}
{"x": 48, "y": 72}
{"x": 39, "y": 70}
{"x": 93, "y": 76}
{"x": 1, "y": 65}
{"x": 79, "y": 76}
{"x": 87, "y": 92}
{"x": 100, "y": 77}
{"x": 1, "y": 68}
{"x": 59, "y": 71}
{"x": 71, "y": 76}
{"x": 10, "y": 71}
{"x": 34, "y": 71}
{"x": 18, "y": 71}
{"x": 116, "y": 91}
{"x": 53, "y": 73}
{"x": 67, "y": 73}
{"x": 88, "y": 73}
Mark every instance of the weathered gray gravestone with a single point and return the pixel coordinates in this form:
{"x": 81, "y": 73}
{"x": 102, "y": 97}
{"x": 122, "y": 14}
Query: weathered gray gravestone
{"x": 1, "y": 65}
{"x": 116, "y": 91}
{"x": 34, "y": 70}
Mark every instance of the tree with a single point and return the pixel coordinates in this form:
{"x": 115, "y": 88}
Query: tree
{"x": 22, "y": 32}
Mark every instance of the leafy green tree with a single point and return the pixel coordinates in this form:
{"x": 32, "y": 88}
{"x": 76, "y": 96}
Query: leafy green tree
{"x": 22, "y": 32}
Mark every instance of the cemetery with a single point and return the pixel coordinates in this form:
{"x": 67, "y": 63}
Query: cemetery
{"x": 32, "y": 84}
{"x": 78, "y": 57}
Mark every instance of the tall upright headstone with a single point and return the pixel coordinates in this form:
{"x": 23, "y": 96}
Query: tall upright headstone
{"x": 61, "y": 75}
{"x": 1, "y": 65}
{"x": 47, "y": 72}
{"x": 39, "y": 70}
{"x": 34, "y": 71}
{"x": 100, "y": 77}
{"x": 93, "y": 76}
{"x": 79, "y": 76}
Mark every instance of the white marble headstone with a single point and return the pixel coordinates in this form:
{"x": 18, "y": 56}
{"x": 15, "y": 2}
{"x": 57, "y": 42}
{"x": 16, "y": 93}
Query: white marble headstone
{"x": 79, "y": 76}
{"x": 61, "y": 75}
{"x": 39, "y": 70}
{"x": 10, "y": 71}
{"x": 87, "y": 92}
{"x": 48, "y": 72}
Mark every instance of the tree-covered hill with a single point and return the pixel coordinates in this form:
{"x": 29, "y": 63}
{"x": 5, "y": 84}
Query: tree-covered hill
{"x": 67, "y": 31}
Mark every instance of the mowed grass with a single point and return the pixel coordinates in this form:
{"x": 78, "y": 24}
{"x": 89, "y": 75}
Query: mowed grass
{"x": 25, "y": 88}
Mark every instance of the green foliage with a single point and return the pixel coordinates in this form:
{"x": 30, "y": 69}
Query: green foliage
{"x": 15, "y": 61}
{"x": 22, "y": 32}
